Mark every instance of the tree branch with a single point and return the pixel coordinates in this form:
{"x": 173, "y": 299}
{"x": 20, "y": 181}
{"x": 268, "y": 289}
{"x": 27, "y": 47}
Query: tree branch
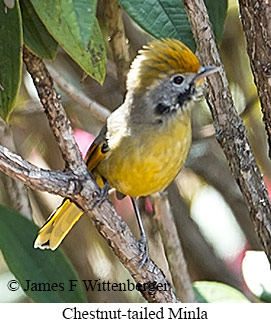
{"x": 98, "y": 110}
{"x": 256, "y": 20}
{"x": 230, "y": 130}
{"x": 173, "y": 248}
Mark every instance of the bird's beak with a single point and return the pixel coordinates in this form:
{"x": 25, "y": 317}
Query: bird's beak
{"x": 203, "y": 72}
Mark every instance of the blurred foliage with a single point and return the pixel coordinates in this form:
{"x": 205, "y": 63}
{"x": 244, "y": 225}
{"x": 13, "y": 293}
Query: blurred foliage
{"x": 213, "y": 292}
{"x": 73, "y": 29}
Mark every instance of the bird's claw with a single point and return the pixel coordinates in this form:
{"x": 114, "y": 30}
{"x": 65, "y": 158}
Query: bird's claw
{"x": 102, "y": 195}
{"x": 144, "y": 251}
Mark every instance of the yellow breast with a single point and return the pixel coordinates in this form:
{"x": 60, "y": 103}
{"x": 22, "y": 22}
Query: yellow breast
{"x": 146, "y": 161}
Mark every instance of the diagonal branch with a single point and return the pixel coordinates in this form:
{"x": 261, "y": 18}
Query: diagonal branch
{"x": 77, "y": 95}
{"x": 173, "y": 248}
{"x": 230, "y": 130}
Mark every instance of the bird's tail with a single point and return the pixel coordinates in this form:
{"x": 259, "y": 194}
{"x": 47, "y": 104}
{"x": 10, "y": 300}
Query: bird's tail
{"x": 58, "y": 225}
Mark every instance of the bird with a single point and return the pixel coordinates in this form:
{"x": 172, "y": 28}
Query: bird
{"x": 144, "y": 142}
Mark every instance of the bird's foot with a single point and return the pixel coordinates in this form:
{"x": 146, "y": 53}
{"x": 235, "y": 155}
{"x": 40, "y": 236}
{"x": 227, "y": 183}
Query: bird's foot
{"x": 101, "y": 195}
{"x": 144, "y": 250}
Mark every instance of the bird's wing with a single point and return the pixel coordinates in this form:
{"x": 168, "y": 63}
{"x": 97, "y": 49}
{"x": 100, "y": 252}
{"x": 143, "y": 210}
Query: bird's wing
{"x": 67, "y": 214}
{"x": 98, "y": 150}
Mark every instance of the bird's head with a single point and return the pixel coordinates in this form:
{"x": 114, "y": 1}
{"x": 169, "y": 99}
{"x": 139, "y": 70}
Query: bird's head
{"x": 166, "y": 75}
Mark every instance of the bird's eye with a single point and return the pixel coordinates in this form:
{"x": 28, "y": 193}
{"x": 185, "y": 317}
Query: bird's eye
{"x": 178, "y": 80}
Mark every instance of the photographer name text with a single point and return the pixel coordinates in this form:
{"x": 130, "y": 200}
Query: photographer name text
{"x": 91, "y": 285}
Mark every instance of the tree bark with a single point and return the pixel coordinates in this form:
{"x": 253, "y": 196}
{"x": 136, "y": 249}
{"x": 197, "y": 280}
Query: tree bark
{"x": 256, "y": 20}
{"x": 229, "y": 127}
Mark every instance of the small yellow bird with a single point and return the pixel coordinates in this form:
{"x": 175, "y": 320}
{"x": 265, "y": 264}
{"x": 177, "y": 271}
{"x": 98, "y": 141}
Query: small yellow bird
{"x": 144, "y": 142}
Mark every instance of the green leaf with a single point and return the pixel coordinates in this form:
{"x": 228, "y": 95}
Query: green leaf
{"x": 168, "y": 18}
{"x": 161, "y": 18}
{"x": 213, "y": 292}
{"x": 11, "y": 42}
{"x": 50, "y": 268}
{"x": 217, "y": 11}
{"x": 257, "y": 274}
{"x": 74, "y": 26}
{"x": 36, "y": 36}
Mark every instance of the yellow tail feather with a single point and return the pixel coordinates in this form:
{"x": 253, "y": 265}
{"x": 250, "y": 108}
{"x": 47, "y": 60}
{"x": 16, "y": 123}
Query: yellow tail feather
{"x": 58, "y": 226}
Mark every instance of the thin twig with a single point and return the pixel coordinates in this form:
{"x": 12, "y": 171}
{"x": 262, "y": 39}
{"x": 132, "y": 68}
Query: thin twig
{"x": 173, "y": 248}
{"x": 230, "y": 130}
{"x": 155, "y": 242}
{"x": 98, "y": 110}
